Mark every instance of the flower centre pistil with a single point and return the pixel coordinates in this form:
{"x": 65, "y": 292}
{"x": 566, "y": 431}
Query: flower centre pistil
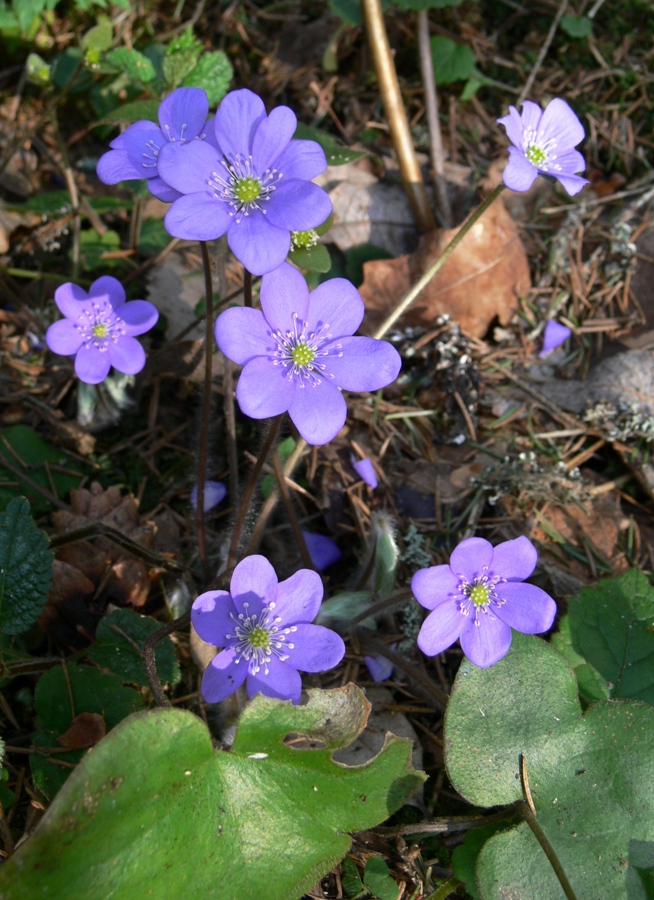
{"x": 540, "y": 153}
{"x": 99, "y": 325}
{"x": 301, "y": 352}
{"x": 257, "y": 638}
{"x": 479, "y": 596}
{"x": 536, "y": 155}
{"x": 243, "y": 189}
{"x": 304, "y": 240}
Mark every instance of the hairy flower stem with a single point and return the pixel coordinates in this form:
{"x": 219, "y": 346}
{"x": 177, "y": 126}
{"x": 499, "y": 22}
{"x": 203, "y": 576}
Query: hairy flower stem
{"x": 247, "y": 288}
{"x": 290, "y": 509}
{"x": 523, "y": 808}
{"x": 435, "y": 267}
{"x": 387, "y": 605}
{"x": 273, "y": 497}
{"x": 206, "y": 412}
{"x": 370, "y": 644}
{"x": 149, "y": 657}
{"x": 246, "y": 499}
{"x": 443, "y": 209}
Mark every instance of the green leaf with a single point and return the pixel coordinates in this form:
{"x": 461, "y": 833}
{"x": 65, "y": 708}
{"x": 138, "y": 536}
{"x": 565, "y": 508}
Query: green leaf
{"x": 132, "y": 112}
{"x": 590, "y": 776}
{"x": 337, "y": 154}
{"x": 452, "y": 61}
{"x": 352, "y": 884}
{"x": 67, "y": 69}
{"x": 114, "y": 648}
{"x": 137, "y": 66}
{"x": 25, "y": 568}
{"x": 38, "y": 71}
{"x": 153, "y": 237}
{"x": 94, "y": 245}
{"x": 99, "y": 37}
{"x": 213, "y": 73}
{"x": 378, "y": 881}
{"x": 313, "y": 259}
{"x": 262, "y": 820}
{"x": 40, "y": 463}
{"x": 464, "y": 858}
{"x": 591, "y": 684}
{"x": 577, "y": 26}
{"x": 90, "y": 692}
{"x": 26, "y": 11}
{"x": 176, "y": 66}
{"x": 612, "y": 627}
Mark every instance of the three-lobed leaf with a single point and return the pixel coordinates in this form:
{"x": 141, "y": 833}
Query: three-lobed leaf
{"x": 119, "y": 640}
{"x": 25, "y": 568}
{"x": 264, "y": 819}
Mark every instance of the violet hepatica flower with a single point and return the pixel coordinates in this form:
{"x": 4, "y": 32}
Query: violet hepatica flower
{"x": 100, "y": 328}
{"x": 479, "y": 597}
{"x": 555, "y": 334}
{"x": 543, "y": 144}
{"x": 264, "y": 629}
{"x": 134, "y": 153}
{"x": 323, "y": 550}
{"x": 256, "y": 186}
{"x": 379, "y": 667}
{"x": 365, "y": 470}
{"x": 298, "y": 351}
{"x": 214, "y": 493}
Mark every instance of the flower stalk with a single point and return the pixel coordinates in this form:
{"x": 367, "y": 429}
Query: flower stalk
{"x": 206, "y": 412}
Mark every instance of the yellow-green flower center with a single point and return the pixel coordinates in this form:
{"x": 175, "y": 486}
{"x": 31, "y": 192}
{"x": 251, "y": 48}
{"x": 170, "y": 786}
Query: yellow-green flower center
{"x": 479, "y": 594}
{"x": 100, "y": 330}
{"x": 248, "y": 189}
{"x": 303, "y": 354}
{"x": 536, "y": 155}
{"x": 304, "y": 240}
{"x": 259, "y": 638}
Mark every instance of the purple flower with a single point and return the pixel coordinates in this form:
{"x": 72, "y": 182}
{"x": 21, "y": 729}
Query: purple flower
{"x": 479, "y": 599}
{"x": 134, "y": 153}
{"x": 214, "y": 493}
{"x": 99, "y": 329}
{"x": 555, "y": 335}
{"x": 297, "y": 352}
{"x": 544, "y": 144}
{"x": 256, "y": 186}
{"x": 263, "y": 628}
{"x": 323, "y": 550}
{"x": 365, "y": 469}
{"x": 379, "y": 667}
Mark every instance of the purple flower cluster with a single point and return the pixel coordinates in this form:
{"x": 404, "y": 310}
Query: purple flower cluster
{"x": 264, "y": 629}
{"x": 100, "y": 328}
{"x": 298, "y": 352}
{"x": 478, "y": 598}
{"x": 240, "y": 173}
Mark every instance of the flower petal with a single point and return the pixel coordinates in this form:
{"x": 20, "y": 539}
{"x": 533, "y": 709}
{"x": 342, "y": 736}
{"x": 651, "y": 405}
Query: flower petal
{"x": 486, "y": 643}
{"x": 126, "y": 355}
{"x": 316, "y": 648}
{"x": 560, "y": 124}
{"x": 223, "y": 676}
{"x": 137, "y": 136}
{"x": 117, "y": 165}
{"x": 68, "y": 298}
{"x": 91, "y": 365}
{"x": 188, "y": 167}
{"x": 298, "y": 205}
{"x": 197, "y": 217}
{"x": 263, "y": 390}
{"x": 318, "y": 412}
{"x": 63, "y": 337}
{"x": 211, "y": 617}
{"x": 336, "y": 304}
{"x": 519, "y": 174}
{"x": 527, "y": 608}
{"x": 284, "y": 293}
{"x": 299, "y": 598}
{"x": 531, "y": 114}
{"x": 214, "y": 493}
{"x": 258, "y": 244}
{"x": 323, "y": 550}
{"x": 110, "y": 287}
{"x": 162, "y": 191}
{"x": 570, "y": 163}
{"x": 302, "y": 159}
{"x": 183, "y": 113}
{"x": 365, "y": 470}
{"x": 572, "y": 183}
{"x": 242, "y": 333}
{"x": 555, "y": 334}
{"x": 441, "y": 628}
{"x": 363, "y": 364}
{"x": 514, "y": 127}
{"x": 272, "y": 137}
{"x": 470, "y": 556}
{"x": 239, "y": 115}
{"x": 434, "y": 586}
{"x": 282, "y": 682}
{"x": 379, "y": 667}
{"x": 514, "y": 560}
{"x": 253, "y": 576}
{"x": 139, "y": 316}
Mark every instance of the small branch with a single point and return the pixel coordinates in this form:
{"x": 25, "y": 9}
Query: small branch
{"x": 395, "y": 113}
{"x": 433, "y": 122}
{"x": 246, "y": 500}
{"x": 444, "y": 825}
{"x": 435, "y": 267}
{"x": 98, "y": 529}
{"x": 206, "y": 412}
{"x": 71, "y": 187}
{"x": 149, "y": 660}
{"x": 290, "y": 509}
{"x": 247, "y": 288}
{"x": 543, "y": 52}
{"x": 523, "y": 808}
